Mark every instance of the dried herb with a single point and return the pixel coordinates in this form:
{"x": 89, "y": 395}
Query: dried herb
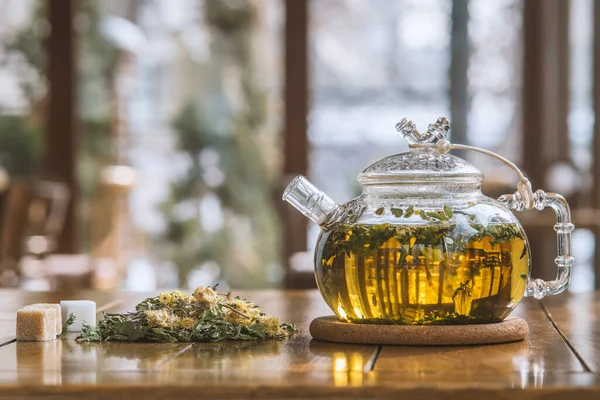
{"x": 448, "y": 211}
{"x": 422, "y": 272}
{"x": 397, "y": 212}
{"x": 462, "y": 297}
{"x": 440, "y": 215}
{"x": 360, "y": 239}
{"x": 382, "y": 321}
{"x": 432, "y": 318}
{"x": 455, "y": 319}
{"x": 462, "y": 288}
{"x": 502, "y": 232}
{"x": 70, "y": 321}
{"x": 201, "y": 316}
{"x": 524, "y": 252}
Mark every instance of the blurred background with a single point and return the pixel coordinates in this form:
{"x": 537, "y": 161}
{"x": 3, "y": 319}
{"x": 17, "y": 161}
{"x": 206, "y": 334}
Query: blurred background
{"x": 145, "y": 143}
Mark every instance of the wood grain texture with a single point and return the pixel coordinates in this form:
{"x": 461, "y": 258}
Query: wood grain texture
{"x": 299, "y": 358}
{"x": 541, "y": 366}
{"x": 522, "y": 364}
{"x": 7, "y": 330}
{"x": 234, "y": 363}
{"x": 577, "y": 317}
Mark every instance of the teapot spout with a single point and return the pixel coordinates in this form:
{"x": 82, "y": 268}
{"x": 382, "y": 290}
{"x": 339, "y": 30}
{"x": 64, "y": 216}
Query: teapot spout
{"x": 309, "y": 200}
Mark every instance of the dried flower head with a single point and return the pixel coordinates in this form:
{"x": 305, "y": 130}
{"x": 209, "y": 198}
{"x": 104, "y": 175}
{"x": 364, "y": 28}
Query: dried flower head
{"x": 158, "y": 318}
{"x": 165, "y": 298}
{"x": 189, "y": 299}
{"x": 203, "y": 315}
{"x": 173, "y": 321}
{"x": 176, "y": 296}
{"x": 205, "y": 296}
{"x": 187, "y": 323}
{"x": 253, "y": 313}
{"x": 235, "y": 318}
{"x": 271, "y": 324}
{"x": 240, "y": 304}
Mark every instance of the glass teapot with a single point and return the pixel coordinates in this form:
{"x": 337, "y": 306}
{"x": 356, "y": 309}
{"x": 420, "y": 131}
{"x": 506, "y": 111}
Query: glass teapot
{"x": 422, "y": 244}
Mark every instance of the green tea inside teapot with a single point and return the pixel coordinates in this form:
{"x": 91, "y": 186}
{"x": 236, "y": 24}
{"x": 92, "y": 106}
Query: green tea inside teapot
{"x": 422, "y": 244}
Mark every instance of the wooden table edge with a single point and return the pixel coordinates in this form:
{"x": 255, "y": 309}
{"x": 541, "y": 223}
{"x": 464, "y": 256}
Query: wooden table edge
{"x": 283, "y": 390}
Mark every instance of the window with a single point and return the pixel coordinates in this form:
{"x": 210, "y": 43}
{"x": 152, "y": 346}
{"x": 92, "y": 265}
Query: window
{"x": 179, "y": 102}
{"x": 23, "y": 28}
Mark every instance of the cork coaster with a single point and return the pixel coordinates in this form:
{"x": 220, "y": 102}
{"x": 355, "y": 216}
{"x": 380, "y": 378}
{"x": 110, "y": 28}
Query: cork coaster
{"x": 331, "y": 329}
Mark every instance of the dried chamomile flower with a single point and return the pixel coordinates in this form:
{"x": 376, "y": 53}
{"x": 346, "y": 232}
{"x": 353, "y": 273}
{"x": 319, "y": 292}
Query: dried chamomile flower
{"x": 205, "y": 296}
{"x": 176, "y": 296}
{"x": 189, "y": 299}
{"x": 187, "y": 323}
{"x": 165, "y": 298}
{"x": 240, "y": 304}
{"x": 173, "y": 321}
{"x": 253, "y": 313}
{"x": 202, "y": 316}
{"x": 158, "y": 318}
{"x": 161, "y": 318}
{"x": 271, "y": 325}
{"x": 236, "y": 318}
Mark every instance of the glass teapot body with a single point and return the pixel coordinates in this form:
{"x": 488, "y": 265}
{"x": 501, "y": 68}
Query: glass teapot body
{"x": 423, "y": 245}
{"x": 422, "y": 254}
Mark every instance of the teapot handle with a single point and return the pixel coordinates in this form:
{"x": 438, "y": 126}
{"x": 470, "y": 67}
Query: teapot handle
{"x": 539, "y": 288}
{"x": 524, "y": 198}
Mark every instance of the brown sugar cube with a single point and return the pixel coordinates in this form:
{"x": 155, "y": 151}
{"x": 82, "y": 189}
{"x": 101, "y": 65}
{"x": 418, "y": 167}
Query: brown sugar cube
{"x": 56, "y": 308}
{"x": 36, "y": 324}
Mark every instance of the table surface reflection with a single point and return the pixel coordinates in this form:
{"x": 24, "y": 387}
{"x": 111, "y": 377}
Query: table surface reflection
{"x": 560, "y": 358}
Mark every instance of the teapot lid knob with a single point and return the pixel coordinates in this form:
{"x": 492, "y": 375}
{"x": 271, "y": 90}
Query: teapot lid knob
{"x": 435, "y": 132}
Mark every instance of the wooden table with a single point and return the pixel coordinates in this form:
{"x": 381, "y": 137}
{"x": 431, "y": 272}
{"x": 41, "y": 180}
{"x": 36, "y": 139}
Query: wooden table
{"x": 560, "y": 359}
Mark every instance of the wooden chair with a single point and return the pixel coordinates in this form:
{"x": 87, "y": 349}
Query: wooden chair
{"x": 31, "y": 218}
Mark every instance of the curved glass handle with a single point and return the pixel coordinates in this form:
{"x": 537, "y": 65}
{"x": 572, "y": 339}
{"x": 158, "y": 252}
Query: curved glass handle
{"x": 539, "y": 288}
{"x": 525, "y": 199}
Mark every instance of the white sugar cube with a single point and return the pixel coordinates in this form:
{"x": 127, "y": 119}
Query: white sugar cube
{"x": 36, "y": 324}
{"x": 83, "y": 310}
{"x": 56, "y": 308}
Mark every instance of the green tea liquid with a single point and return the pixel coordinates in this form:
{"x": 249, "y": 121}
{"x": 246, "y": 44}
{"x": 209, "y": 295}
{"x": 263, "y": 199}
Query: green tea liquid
{"x": 478, "y": 281}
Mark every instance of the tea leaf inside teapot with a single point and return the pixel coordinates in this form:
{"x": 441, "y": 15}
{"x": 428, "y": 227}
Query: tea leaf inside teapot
{"x": 397, "y": 212}
{"x": 362, "y": 238}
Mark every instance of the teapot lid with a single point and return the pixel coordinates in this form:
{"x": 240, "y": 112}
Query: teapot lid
{"x": 421, "y": 164}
